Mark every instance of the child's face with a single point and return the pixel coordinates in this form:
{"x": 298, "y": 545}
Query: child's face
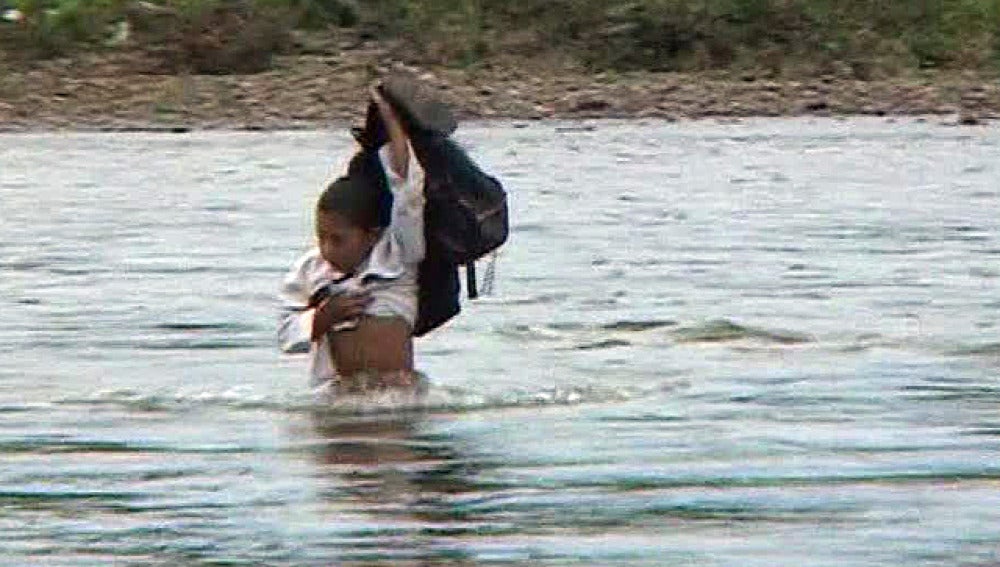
{"x": 341, "y": 243}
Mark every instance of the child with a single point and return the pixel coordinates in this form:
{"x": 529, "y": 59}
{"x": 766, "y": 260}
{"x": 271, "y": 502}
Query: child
{"x": 351, "y": 301}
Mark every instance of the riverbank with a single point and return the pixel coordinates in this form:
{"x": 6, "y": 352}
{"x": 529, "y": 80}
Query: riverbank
{"x": 113, "y": 92}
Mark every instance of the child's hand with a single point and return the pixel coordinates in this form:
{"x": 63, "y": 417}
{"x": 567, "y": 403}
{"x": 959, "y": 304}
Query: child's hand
{"x": 336, "y": 309}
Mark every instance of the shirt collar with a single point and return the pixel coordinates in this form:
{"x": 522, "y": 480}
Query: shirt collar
{"x": 382, "y": 263}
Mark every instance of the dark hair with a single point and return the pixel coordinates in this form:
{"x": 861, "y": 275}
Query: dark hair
{"x": 362, "y": 196}
{"x": 351, "y": 199}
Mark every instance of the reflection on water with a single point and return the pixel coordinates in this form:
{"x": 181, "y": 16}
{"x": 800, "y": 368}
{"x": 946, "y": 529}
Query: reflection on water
{"x": 755, "y": 344}
{"x": 402, "y": 482}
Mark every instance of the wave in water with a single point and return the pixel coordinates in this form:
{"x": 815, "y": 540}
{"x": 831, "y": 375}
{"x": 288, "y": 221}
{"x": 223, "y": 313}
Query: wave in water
{"x": 723, "y": 330}
{"x": 437, "y": 399}
{"x": 629, "y": 332}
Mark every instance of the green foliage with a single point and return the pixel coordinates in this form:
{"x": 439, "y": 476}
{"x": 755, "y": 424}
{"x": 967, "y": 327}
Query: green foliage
{"x": 53, "y": 27}
{"x": 442, "y": 31}
{"x": 867, "y": 36}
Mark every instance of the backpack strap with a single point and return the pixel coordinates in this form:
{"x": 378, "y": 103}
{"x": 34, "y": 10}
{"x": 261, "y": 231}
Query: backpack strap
{"x": 470, "y": 280}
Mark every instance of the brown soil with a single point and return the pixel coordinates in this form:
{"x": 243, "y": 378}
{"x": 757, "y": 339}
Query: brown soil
{"x": 122, "y": 91}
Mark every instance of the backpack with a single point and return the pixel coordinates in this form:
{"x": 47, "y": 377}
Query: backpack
{"x": 466, "y": 215}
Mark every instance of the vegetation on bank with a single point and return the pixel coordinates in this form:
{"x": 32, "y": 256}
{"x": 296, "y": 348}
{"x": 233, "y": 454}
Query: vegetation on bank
{"x": 865, "y": 38}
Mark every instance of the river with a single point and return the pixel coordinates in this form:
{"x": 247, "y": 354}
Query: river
{"x": 769, "y": 342}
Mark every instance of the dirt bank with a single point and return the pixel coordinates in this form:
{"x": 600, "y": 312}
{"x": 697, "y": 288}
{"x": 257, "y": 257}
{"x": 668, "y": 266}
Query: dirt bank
{"x": 115, "y": 91}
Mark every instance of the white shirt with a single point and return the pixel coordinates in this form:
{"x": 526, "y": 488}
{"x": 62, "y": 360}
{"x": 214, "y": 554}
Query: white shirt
{"x": 388, "y": 274}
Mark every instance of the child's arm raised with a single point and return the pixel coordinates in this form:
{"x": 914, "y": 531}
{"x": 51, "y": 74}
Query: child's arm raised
{"x": 406, "y": 181}
{"x": 399, "y": 150}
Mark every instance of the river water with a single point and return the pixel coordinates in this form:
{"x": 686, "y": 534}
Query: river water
{"x": 774, "y": 342}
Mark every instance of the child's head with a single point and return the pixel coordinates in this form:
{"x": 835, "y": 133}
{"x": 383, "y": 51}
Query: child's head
{"x": 347, "y": 222}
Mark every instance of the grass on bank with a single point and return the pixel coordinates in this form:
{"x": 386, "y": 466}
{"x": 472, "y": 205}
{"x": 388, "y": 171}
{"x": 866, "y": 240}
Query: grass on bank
{"x": 866, "y": 38}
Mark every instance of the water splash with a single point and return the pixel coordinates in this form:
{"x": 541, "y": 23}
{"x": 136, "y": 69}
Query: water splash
{"x": 437, "y": 399}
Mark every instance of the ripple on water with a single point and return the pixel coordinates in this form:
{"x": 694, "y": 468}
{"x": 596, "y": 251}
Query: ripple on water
{"x": 723, "y": 330}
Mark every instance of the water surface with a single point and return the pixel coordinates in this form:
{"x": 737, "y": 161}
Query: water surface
{"x": 768, "y": 343}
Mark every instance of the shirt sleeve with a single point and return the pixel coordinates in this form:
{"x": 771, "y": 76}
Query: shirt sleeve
{"x": 295, "y": 316}
{"x": 406, "y": 225}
